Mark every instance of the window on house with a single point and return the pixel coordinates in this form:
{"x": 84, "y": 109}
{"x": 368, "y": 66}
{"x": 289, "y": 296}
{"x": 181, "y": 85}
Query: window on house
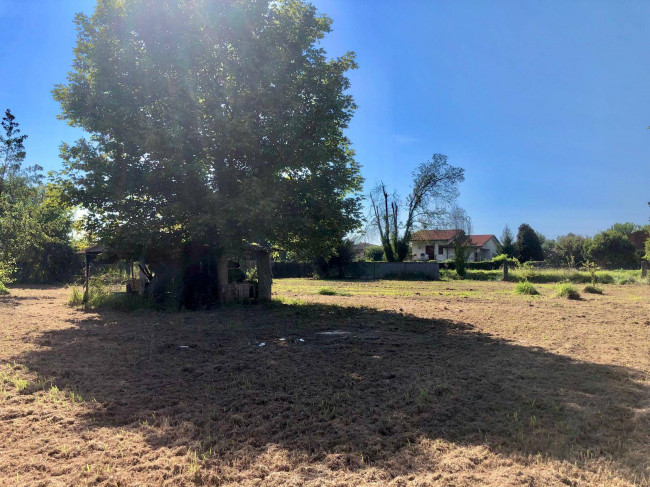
{"x": 441, "y": 250}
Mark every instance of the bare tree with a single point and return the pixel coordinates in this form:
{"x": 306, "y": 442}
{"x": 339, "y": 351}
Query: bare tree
{"x": 462, "y": 242}
{"x": 435, "y": 183}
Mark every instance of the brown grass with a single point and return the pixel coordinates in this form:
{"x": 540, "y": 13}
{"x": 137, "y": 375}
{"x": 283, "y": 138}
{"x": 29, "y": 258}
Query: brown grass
{"x": 432, "y": 383}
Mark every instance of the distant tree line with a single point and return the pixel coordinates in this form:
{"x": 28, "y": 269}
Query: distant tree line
{"x": 611, "y": 249}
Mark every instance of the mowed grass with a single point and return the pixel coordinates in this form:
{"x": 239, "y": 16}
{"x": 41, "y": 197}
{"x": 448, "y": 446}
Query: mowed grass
{"x": 400, "y": 383}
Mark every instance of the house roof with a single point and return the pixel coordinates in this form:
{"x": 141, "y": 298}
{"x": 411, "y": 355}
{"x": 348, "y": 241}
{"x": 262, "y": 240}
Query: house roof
{"x": 481, "y": 240}
{"x": 435, "y": 234}
{"x": 447, "y": 235}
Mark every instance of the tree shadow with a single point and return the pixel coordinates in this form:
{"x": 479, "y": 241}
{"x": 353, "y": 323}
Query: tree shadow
{"x": 378, "y": 385}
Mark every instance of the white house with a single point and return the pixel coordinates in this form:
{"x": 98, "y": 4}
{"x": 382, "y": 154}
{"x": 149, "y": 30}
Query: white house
{"x": 438, "y": 245}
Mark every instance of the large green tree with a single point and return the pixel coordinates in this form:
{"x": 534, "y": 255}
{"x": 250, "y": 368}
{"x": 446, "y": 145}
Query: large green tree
{"x": 611, "y": 250}
{"x": 528, "y": 245}
{"x": 35, "y": 224}
{"x": 12, "y": 149}
{"x": 219, "y": 123}
{"x": 570, "y": 249}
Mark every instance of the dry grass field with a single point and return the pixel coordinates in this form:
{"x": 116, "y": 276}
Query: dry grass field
{"x": 385, "y": 383}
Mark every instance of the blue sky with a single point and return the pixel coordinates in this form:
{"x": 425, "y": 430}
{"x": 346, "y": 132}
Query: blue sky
{"x": 546, "y": 104}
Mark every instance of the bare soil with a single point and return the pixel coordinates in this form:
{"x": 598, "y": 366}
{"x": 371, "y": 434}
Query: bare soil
{"x": 417, "y": 384}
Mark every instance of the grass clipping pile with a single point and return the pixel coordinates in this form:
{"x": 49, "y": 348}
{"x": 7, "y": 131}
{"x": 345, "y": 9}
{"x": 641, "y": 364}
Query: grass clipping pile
{"x": 431, "y": 383}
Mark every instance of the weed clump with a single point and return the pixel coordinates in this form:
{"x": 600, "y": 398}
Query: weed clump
{"x": 525, "y": 287}
{"x": 592, "y": 289}
{"x": 76, "y": 298}
{"x": 567, "y": 290}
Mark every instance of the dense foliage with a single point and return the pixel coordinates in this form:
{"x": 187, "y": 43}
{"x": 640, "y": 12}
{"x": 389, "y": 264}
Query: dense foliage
{"x": 611, "y": 250}
{"x": 35, "y": 224}
{"x": 374, "y": 253}
{"x": 528, "y": 245}
{"x": 219, "y": 123}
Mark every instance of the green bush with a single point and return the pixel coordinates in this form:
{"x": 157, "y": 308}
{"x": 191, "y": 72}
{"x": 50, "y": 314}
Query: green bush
{"x": 592, "y": 289}
{"x": 567, "y": 290}
{"x": 327, "y": 291}
{"x": 626, "y": 280}
{"x": 449, "y": 275}
{"x": 374, "y": 253}
{"x": 525, "y": 287}
{"x": 483, "y": 275}
{"x": 76, "y": 298}
{"x": 6, "y": 276}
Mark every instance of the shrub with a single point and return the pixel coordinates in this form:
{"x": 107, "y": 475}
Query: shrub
{"x": 483, "y": 275}
{"x": 567, "y": 290}
{"x": 592, "y": 289}
{"x": 374, "y": 253}
{"x": 6, "y": 276}
{"x": 327, "y": 291}
{"x": 590, "y": 268}
{"x": 605, "y": 278}
{"x": 449, "y": 274}
{"x": 502, "y": 258}
{"x": 626, "y": 280}
{"x": 527, "y": 271}
{"x": 525, "y": 287}
{"x": 77, "y": 297}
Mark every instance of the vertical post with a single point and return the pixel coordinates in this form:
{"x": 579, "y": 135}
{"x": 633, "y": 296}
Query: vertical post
{"x": 142, "y": 275}
{"x": 87, "y": 279}
{"x": 264, "y": 275}
{"x": 223, "y": 296}
{"x": 644, "y": 268}
{"x": 505, "y": 271}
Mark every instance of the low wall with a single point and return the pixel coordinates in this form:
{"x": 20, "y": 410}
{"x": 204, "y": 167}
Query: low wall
{"x": 363, "y": 270}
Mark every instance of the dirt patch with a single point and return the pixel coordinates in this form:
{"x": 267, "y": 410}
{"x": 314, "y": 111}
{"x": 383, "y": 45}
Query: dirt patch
{"x": 449, "y": 386}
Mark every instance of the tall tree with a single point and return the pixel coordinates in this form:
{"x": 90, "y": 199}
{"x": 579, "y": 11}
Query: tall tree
{"x": 435, "y": 182}
{"x": 507, "y": 244}
{"x": 570, "y": 249}
{"x": 611, "y": 250}
{"x": 625, "y": 228}
{"x": 219, "y": 123}
{"x": 12, "y": 148}
{"x": 35, "y": 224}
{"x": 528, "y": 245}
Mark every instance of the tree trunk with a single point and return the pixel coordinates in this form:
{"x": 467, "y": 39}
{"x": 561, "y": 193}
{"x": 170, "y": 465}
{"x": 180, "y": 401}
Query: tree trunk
{"x": 142, "y": 276}
{"x": 264, "y": 275}
{"x": 222, "y": 280}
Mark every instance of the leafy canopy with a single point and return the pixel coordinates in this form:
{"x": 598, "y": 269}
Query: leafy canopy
{"x": 528, "y": 244}
{"x": 35, "y": 224}
{"x": 215, "y": 122}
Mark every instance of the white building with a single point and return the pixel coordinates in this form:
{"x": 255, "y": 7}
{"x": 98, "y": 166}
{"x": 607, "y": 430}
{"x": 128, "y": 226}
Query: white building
{"x": 438, "y": 245}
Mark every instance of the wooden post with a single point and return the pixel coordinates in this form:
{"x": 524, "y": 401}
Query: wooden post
{"x": 142, "y": 275}
{"x": 264, "y": 275}
{"x": 87, "y": 275}
{"x": 505, "y": 271}
{"x": 222, "y": 279}
{"x": 644, "y": 268}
